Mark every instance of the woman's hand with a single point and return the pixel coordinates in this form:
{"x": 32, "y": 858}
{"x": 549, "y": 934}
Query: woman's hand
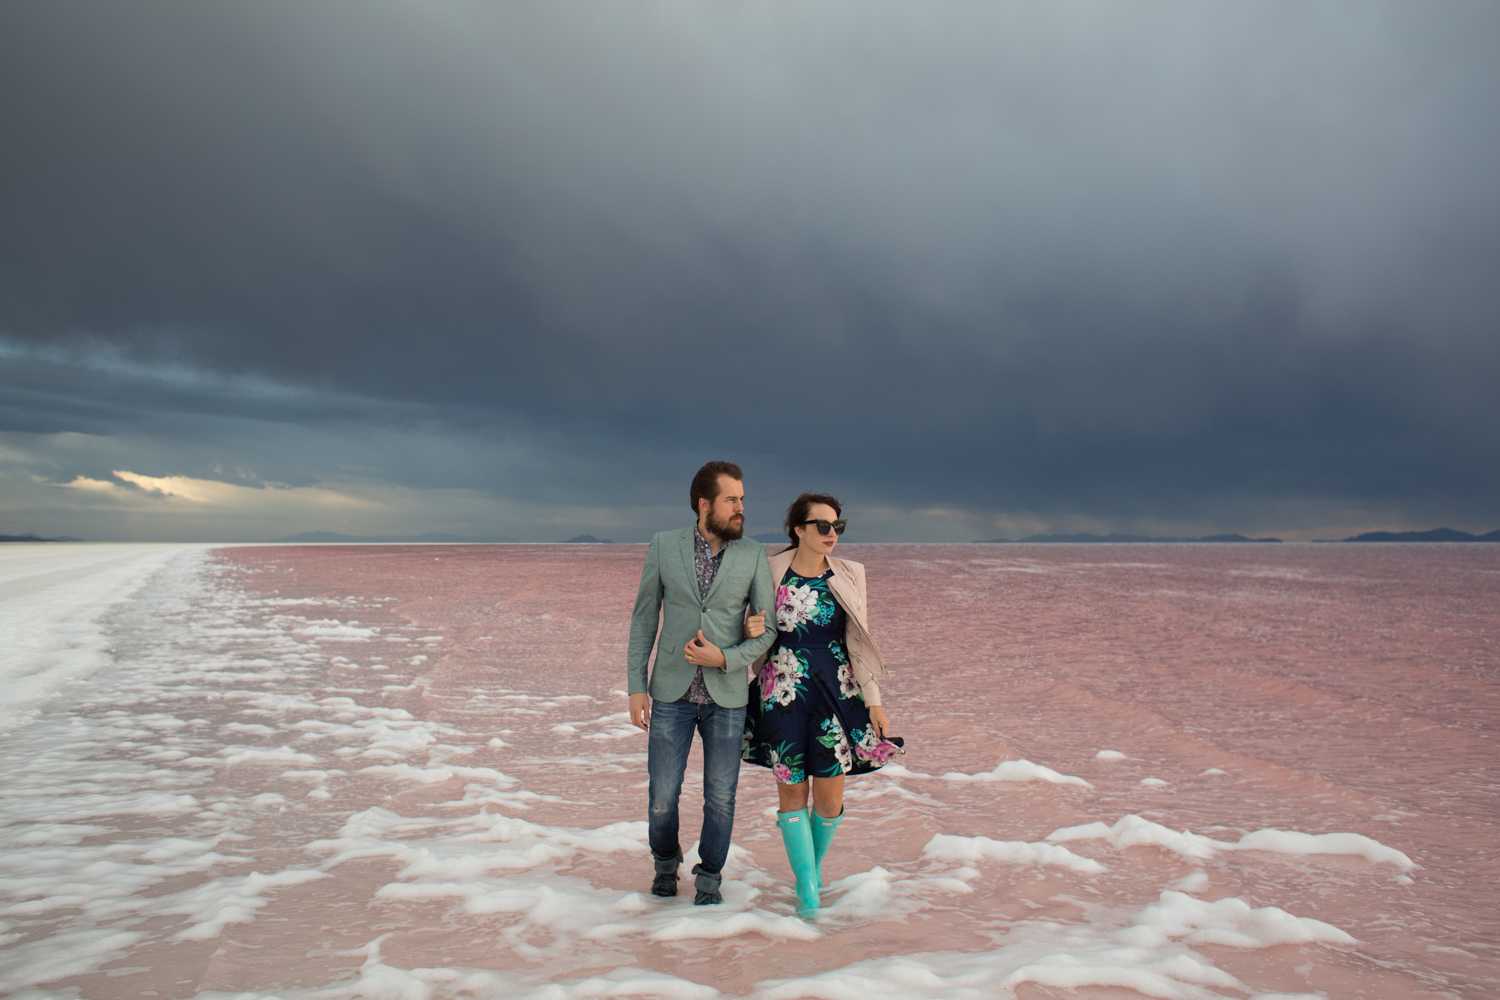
{"x": 702, "y": 653}
{"x": 755, "y": 626}
{"x": 880, "y": 721}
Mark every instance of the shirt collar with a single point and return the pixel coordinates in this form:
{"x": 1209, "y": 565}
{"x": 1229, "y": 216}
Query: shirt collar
{"x": 700, "y": 542}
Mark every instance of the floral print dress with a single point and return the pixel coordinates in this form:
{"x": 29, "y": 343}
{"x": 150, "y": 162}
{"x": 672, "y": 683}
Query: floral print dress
{"x": 806, "y": 716}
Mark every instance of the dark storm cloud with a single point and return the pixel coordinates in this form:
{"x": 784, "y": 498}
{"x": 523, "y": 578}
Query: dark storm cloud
{"x": 248, "y": 431}
{"x": 1124, "y": 261}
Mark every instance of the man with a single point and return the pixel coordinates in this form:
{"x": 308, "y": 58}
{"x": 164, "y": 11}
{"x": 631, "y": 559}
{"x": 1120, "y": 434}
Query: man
{"x": 700, "y": 579}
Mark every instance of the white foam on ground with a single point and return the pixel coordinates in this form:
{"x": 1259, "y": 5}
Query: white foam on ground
{"x": 1148, "y": 950}
{"x": 1294, "y": 842}
{"x": 79, "y": 891}
{"x": 1134, "y": 831}
{"x": 971, "y": 850}
{"x": 1006, "y": 770}
{"x": 378, "y": 981}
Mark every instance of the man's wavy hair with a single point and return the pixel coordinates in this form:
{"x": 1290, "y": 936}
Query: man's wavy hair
{"x": 797, "y": 512}
{"x": 706, "y": 482}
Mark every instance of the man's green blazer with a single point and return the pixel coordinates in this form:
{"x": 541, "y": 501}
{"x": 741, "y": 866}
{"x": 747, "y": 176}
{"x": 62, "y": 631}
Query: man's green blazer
{"x": 669, "y": 589}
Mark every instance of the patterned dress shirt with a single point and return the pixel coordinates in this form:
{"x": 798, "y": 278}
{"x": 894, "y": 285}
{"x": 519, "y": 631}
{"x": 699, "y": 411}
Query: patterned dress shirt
{"x": 707, "y": 565}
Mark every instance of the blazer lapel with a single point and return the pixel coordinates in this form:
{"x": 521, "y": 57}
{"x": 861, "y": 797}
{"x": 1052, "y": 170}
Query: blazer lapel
{"x": 729, "y": 550}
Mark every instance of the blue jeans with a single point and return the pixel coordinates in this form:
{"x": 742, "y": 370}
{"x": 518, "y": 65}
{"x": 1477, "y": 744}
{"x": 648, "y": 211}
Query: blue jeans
{"x": 723, "y": 733}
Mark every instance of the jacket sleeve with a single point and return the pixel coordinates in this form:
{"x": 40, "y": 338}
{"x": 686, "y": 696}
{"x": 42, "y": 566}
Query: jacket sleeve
{"x": 644, "y": 621}
{"x": 869, "y": 689}
{"x": 762, "y": 598}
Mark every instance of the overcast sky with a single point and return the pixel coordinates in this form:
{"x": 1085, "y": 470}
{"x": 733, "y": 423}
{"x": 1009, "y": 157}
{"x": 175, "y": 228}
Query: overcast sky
{"x": 982, "y": 269}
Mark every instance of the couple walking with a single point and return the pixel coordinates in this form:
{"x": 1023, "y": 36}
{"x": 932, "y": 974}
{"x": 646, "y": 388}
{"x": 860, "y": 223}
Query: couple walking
{"x": 801, "y": 697}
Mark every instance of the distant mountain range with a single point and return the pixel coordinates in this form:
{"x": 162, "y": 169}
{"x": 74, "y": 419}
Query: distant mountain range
{"x": 430, "y": 538}
{"x": 1116, "y": 537}
{"x": 34, "y": 538}
{"x": 1435, "y": 535}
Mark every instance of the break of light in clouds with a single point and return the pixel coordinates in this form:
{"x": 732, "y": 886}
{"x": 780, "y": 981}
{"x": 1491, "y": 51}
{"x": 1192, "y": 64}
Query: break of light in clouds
{"x": 518, "y": 269}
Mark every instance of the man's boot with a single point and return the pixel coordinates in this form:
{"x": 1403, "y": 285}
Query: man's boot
{"x": 706, "y": 886}
{"x": 665, "y": 883}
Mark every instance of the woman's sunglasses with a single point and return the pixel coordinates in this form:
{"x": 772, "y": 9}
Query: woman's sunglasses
{"x": 836, "y": 526}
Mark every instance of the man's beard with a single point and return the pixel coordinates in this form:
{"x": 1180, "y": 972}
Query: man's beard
{"x": 728, "y": 530}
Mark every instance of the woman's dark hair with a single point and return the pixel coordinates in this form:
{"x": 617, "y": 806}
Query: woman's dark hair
{"x": 797, "y": 512}
{"x": 706, "y": 482}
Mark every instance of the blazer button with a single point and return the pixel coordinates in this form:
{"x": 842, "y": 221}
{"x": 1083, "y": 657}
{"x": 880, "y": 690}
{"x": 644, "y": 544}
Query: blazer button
{"x": 704, "y": 609}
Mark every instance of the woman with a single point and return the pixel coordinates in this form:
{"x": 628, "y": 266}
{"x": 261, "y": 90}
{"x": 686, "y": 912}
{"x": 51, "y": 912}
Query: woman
{"x": 814, "y": 714}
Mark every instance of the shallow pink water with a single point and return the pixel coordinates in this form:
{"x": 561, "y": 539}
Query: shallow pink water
{"x": 1338, "y": 688}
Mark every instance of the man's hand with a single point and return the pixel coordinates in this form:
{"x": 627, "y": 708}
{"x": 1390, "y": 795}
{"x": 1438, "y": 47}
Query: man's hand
{"x": 702, "y": 653}
{"x": 755, "y": 626}
{"x": 640, "y": 710}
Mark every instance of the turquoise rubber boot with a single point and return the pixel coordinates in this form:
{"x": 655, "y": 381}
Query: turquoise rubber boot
{"x": 797, "y": 837}
{"x": 823, "y": 830}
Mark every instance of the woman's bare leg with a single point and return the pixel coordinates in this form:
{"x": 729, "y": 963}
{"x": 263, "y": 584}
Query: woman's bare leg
{"x": 828, "y": 796}
{"x": 791, "y": 797}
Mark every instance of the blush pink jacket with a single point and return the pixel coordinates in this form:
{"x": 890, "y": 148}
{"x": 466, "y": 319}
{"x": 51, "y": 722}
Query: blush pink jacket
{"x": 847, "y": 584}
